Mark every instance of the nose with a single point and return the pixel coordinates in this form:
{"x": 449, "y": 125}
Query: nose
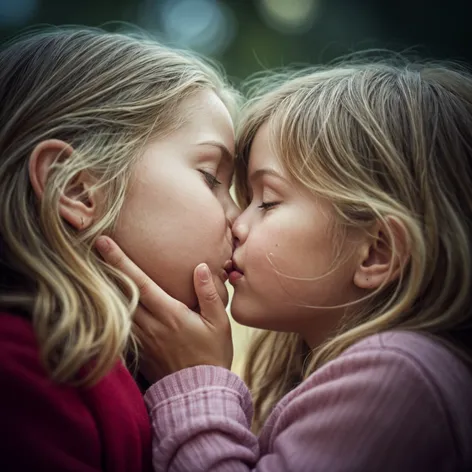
{"x": 240, "y": 230}
{"x": 232, "y": 212}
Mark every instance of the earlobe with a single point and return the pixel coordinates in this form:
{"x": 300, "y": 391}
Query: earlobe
{"x": 374, "y": 276}
{"x": 76, "y": 204}
{"x": 383, "y": 256}
{"x": 76, "y": 217}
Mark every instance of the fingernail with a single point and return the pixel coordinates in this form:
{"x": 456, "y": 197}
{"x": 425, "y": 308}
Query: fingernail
{"x": 102, "y": 244}
{"x": 203, "y": 273}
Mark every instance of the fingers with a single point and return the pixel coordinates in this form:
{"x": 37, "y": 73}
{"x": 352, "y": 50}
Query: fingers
{"x": 141, "y": 319}
{"x": 151, "y": 295}
{"x": 212, "y": 309}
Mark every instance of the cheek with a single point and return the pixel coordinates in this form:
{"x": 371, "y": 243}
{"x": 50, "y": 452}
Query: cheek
{"x": 259, "y": 252}
{"x": 168, "y": 231}
{"x": 291, "y": 264}
{"x": 275, "y": 252}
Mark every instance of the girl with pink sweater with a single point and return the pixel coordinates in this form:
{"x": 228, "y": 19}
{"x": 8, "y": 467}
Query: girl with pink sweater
{"x": 353, "y": 255}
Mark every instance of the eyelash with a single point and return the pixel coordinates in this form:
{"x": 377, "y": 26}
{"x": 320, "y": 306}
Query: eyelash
{"x": 264, "y": 206}
{"x": 212, "y": 181}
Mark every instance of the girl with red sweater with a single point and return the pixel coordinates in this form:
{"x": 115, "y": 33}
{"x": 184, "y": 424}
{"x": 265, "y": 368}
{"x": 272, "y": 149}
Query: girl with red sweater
{"x": 100, "y": 133}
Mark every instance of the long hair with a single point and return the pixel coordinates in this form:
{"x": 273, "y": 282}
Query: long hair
{"x": 375, "y": 139}
{"x": 106, "y": 95}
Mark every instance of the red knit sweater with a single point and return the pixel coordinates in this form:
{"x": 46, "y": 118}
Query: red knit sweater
{"x": 52, "y": 427}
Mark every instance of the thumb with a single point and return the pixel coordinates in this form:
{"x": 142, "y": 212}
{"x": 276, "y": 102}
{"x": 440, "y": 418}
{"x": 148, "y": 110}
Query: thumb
{"x": 212, "y": 308}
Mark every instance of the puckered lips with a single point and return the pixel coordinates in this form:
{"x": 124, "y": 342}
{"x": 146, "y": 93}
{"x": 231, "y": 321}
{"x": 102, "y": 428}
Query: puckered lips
{"x": 233, "y": 271}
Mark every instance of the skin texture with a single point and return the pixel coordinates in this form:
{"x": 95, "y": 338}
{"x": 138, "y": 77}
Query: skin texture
{"x": 286, "y": 251}
{"x": 176, "y": 215}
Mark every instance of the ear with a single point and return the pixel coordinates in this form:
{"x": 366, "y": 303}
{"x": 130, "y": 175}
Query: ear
{"x": 384, "y": 254}
{"x": 77, "y": 204}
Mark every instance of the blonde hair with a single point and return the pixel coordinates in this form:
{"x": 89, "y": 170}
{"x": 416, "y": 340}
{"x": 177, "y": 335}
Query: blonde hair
{"x": 105, "y": 94}
{"x": 375, "y": 139}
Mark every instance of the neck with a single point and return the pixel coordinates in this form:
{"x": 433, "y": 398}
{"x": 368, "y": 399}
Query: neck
{"x": 322, "y": 327}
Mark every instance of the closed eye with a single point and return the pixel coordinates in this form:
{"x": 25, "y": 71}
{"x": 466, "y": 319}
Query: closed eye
{"x": 268, "y": 205}
{"x": 211, "y": 180}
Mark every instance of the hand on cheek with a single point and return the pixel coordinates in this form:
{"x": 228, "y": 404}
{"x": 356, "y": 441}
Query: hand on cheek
{"x": 171, "y": 336}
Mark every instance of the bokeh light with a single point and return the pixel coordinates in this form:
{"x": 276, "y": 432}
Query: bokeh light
{"x": 206, "y": 26}
{"x": 294, "y": 16}
{"x": 17, "y": 13}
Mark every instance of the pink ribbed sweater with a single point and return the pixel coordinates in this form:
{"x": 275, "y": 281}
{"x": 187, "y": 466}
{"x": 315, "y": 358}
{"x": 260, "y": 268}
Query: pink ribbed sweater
{"x": 395, "y": 402}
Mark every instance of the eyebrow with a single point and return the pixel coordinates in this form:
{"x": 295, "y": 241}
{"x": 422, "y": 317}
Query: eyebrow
{"x": 224, "y": 150}
{"x": 259, "y": 173}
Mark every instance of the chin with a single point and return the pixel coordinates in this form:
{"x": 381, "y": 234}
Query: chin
{"x": 241, "y": 313}
{"x": 251, "y": 313}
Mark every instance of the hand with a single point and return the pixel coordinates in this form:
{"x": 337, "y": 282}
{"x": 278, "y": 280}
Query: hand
{"x": 171, "y": 336}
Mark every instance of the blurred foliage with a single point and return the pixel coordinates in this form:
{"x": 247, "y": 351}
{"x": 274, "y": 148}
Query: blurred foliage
{"x": 249, "y": 35}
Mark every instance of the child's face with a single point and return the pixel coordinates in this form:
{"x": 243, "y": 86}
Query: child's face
{"x": 287, "y": 254}
{"x": 172, "y": 218}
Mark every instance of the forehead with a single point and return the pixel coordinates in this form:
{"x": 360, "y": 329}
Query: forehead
{"x": 207, "y": 119}
{"x": 261, "y": 154}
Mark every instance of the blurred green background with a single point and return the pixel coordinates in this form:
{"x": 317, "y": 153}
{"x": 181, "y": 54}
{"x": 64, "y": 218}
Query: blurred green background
{"x": 249, "y": 35}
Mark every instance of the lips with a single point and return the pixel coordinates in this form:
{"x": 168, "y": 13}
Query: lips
{"x": 228, "y": 267}
{"x": 231, "y": 266}
{"x": 233, "y": 271}
{"x": 224, "y": 275}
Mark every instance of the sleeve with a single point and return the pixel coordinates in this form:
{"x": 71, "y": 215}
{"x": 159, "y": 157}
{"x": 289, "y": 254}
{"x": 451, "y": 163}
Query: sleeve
{"x": 367, "y": 411}
{"x": 44, "y": 426}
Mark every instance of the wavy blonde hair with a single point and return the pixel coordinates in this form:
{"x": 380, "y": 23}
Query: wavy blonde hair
{"x": 106, "y": 95}
{"x": 376, "y": 139}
